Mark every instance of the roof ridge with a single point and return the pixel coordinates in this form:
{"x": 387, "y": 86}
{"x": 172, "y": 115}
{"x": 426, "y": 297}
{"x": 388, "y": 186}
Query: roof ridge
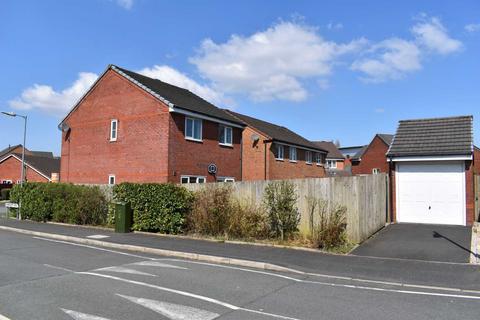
{"x": 437, "y": 118}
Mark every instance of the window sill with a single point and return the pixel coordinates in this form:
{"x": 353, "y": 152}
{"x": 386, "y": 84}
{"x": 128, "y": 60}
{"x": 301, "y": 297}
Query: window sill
{"x": 228, "y": 145}
{"x": 194, "y": 140}
{"x": 320, "y": 165}
{"x": 293, "y": 161}
{"x": 113, "y": 140}
{"x": 308, "y": 163}
{"x": 278, "y": 159}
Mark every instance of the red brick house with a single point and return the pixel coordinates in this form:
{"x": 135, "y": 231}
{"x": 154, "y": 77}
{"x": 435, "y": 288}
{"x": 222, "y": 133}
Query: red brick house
{"x": 431, "y": 171}
{"x": 335, "y": 160}
{"x": 129, "y": 127}
{"x": 40, "y": 166}
{"x": 476, "y": 160}
{"x": 271, "y": 152}
{"x": 371, "y": 159}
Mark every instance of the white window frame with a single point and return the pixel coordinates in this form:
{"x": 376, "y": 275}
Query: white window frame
{"x": 7, "y": 181}
{"x": 375, "y": 170}
{"x": 318, "y": 158}
{"x": 332, "y": 164}
{"x": 113, "y": 133}
{"x": 110, "y": 177}
{"x": 198, "y": 179}
{"x": 226, "y": 179}
{"x": 308, "y": 157}
{"x": 192, "y": 137}
{"x": 292, "y": 154}
{"x": 225, "y": 128}
{"x": 279, "y": 147}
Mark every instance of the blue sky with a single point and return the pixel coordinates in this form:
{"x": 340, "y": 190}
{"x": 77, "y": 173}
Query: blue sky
{"x": 326, "y": 69}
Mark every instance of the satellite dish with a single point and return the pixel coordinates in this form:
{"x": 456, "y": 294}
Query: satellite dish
{"x": 255, "y": 137}
{"x": 65, "y": 127}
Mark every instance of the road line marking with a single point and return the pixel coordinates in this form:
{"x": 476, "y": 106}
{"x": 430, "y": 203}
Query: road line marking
{"x": 350, "y": 286}
{"x": 171, "y": 310}
{"x": 158, "y": 264}
{"x": 56, "y": 267}
{"x": 97, "y": 236}
{"x": 125, "y": 270}
{"x": 82, "y": 316}
{"x": 96, "y": 248}
{"x": 186, "y": 294}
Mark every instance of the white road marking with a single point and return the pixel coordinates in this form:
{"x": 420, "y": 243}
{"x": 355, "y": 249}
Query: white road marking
{"x": 125, "y": 270}
{"x": 158, "y": 264}
{"x": 3, "y": 318}
{"x": 397, "y": 284}
{"x": 82, "y": 316}
{"x": 95, "y": 248}
{"x": 187, "y": 294}
{"x": 56, "y": 267}
{"x": 97, "y": 236}
{"x": 173, "y": 311}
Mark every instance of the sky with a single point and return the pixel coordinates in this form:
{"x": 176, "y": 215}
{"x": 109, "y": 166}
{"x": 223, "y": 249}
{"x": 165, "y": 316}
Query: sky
{"x": 329, "y": 70}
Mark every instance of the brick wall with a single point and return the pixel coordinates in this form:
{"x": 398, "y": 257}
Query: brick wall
{"x": 10, "y": 169}
{"x": 373, "y": 157}
{"x": 140, "y": 152}
{"x": 476, "y": 159}
{"x": 253, "y": 158}
{"x": 470, "y": 193}
{"x": 284, "y": 169}
{"x": 192, "y": 158}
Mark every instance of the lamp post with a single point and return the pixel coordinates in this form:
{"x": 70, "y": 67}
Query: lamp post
{"x": 13, "y": 114}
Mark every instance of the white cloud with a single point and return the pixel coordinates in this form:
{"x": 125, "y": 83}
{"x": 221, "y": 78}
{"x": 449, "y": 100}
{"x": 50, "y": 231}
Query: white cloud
{"x": 472, "y": 27}
{"x": 126, "y": 4}
{"x": 270, "y": 64}
{"x": 44, "y": 98}
{"x": 334, "y": 26}
{"x": 323, "y": 84}
{"x": 431, "y": 34}
{"x": 389, "y": 59}
{"x": 175, "y": 77}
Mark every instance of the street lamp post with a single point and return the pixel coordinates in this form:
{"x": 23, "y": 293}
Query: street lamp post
{"x": 13, "y": 114}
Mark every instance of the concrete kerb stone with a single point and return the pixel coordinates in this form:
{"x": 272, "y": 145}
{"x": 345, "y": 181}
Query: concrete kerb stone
{"x": 475, "y": 245}
{"x": 155, "y": 251}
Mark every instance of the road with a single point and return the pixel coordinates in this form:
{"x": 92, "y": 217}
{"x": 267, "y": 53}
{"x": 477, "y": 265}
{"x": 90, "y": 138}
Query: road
{"x": 49, "y": 279}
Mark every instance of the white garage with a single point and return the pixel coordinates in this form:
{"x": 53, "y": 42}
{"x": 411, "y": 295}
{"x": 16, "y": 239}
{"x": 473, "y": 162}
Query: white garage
{"x": 431, "y": 160}
{"x": 431, "y": 192}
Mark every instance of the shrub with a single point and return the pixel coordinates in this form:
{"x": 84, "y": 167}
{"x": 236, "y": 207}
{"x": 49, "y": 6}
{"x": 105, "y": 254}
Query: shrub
{"x": 5, "y": 194}
{"x": 156, "y": 207}
{"x": 327, "y": 224}
{"x": 216, "y": 213}
{"x": 61, "y": 202}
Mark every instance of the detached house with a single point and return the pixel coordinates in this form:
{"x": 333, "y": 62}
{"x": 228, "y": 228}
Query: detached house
{"x": 271, "y": 152}
{"x": 40, "y": 166}
{"x": 129, "y": 127}
{"x": 431, "y": 163}
{"x": 335, "y": 160}
{"x": 371, "y": 159}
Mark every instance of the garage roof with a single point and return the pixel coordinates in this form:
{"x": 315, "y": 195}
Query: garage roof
{"x": 433, "y": 137}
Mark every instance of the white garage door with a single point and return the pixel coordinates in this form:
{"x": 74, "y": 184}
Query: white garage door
{"x": 431, "y": 192}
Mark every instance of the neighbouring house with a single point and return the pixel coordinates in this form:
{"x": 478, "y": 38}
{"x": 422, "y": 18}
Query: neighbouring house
{"x": 431, "y": 162}
{"x": 372, "y": 159}
{"x": 335, "y": 160}
{"x": 129, "y": 127}
{"x": 271, "y": 152}
{"x": 476, "y": 160}
{"x": 348, "y": 153}
{"x": 40, "y": 166}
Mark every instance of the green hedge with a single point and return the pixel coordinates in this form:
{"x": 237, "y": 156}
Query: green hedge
{"x": 61, "y": 202}
{"x": 156, "y": 207}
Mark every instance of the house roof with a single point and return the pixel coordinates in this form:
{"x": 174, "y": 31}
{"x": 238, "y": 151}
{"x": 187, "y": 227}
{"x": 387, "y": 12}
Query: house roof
{"x": 350, "y": 151}
{"x": 179, "y": 97}
{"x": 333, "y": 152}
{"x": 387, "y": 138}
{"x": 47, "y": 154}
{"x": 276, "y": 133}
{"x": 8, "y": 150}
{"x": 360, "y": 153}
{"x": 433, "y": 137}
{"x": 45, "y": 165}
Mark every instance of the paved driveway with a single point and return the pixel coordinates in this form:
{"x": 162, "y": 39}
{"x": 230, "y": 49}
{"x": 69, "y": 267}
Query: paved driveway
{"x": 419, "y": 242}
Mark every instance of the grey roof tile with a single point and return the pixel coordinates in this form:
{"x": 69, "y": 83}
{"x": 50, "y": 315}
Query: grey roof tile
{"x": 333, "y": 152}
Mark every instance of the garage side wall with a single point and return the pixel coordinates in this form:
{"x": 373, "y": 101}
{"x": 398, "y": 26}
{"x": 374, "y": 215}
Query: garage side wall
{"x": 470, "y": 192}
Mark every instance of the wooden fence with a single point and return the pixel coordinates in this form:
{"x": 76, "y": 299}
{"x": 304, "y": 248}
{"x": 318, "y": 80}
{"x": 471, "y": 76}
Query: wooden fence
{"x": 477, "y": 197}
{"x": 365, "y": 197}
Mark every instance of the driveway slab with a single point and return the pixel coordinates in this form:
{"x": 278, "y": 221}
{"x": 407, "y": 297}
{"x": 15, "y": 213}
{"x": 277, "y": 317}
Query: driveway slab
{"x": 419, "y": 242}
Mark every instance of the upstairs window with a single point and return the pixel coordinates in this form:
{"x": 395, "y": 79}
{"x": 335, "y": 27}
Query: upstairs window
{"x": 193, "y": 129}
{"x": 225, "y": 135}
{"x": 279, "y": 152}
{"x": 332, "y": 164}
{"x": 113, "y": 129}
{"x": 319, "y": 159}
{"x": 308, "y": 157}
{"x": 293, "y": 154}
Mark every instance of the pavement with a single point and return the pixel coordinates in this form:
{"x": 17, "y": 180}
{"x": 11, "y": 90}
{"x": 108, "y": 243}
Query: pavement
{"x": 43, "y": 278}
{"x": 420, "y": 242}
{"x": 418, "y": 272}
